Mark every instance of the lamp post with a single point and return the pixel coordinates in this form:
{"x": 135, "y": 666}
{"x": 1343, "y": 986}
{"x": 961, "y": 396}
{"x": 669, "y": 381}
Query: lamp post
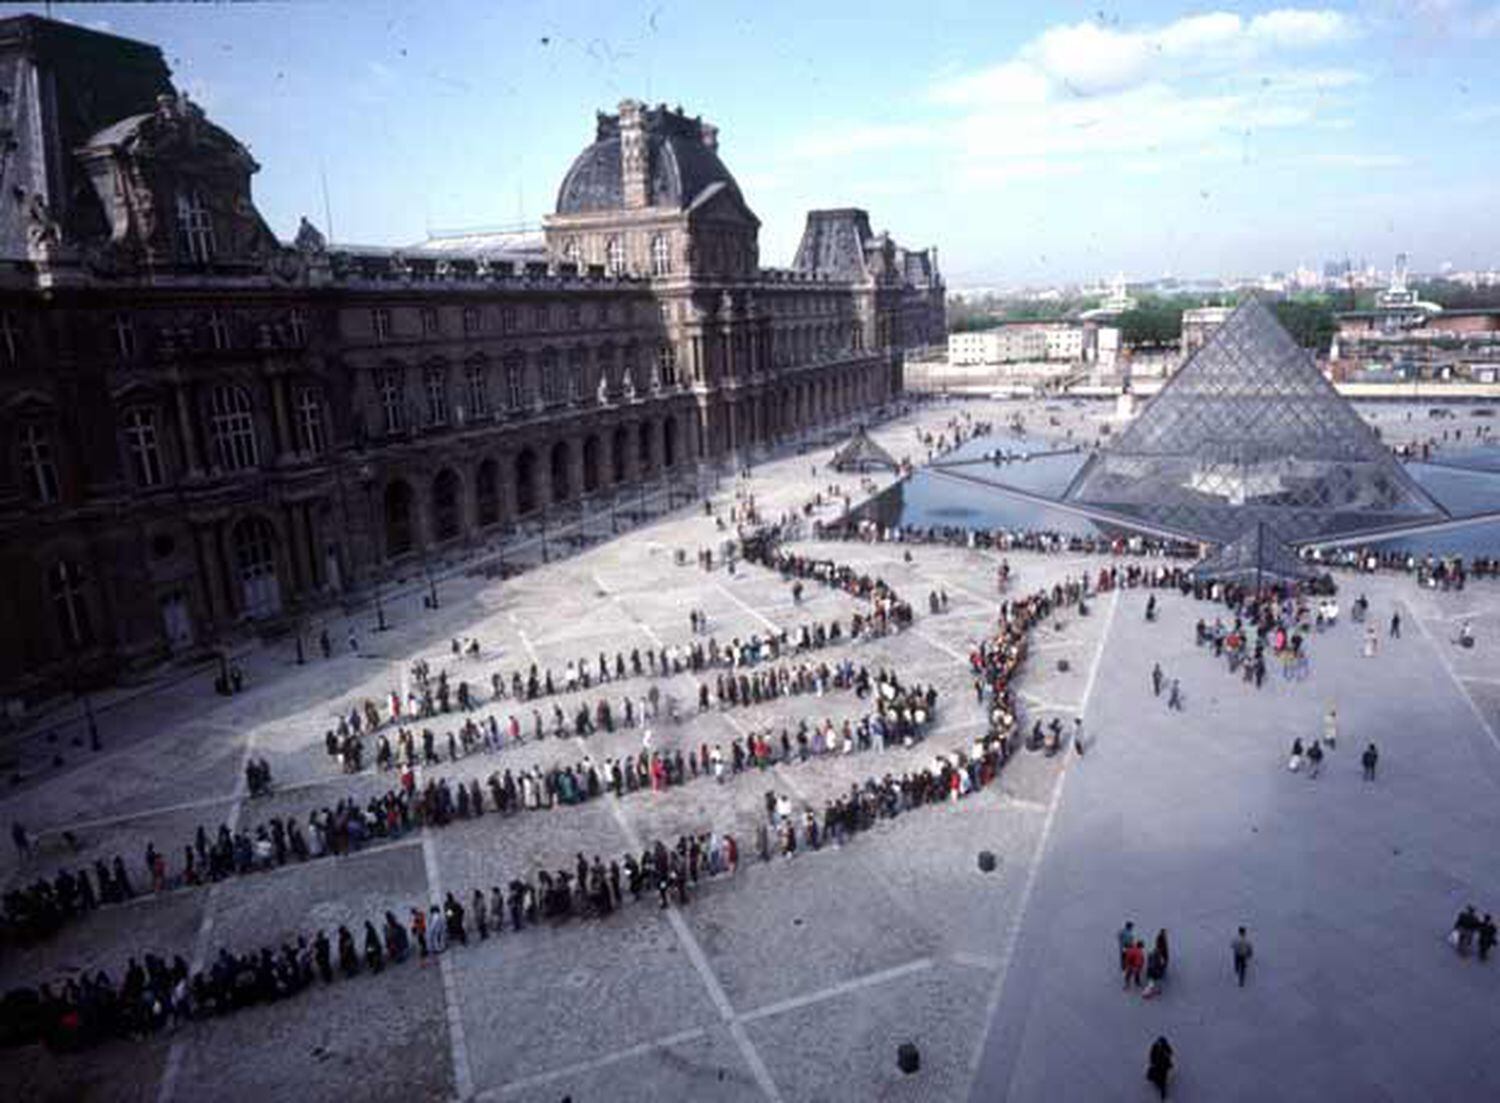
{"x": 367, "y": 477}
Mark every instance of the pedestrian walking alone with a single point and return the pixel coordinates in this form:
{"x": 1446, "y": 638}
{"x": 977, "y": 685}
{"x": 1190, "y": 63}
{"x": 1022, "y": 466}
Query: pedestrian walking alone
{"x": 1159, "y": 1064}
{"x": 1157, "y": 677}
{"x": 1174, "y": 696}
{"x": 1396, "y": 625}
{"x": 1243, "y": 951}
{"x": 1368, "y": 761}
{"x": 1314, "y": 759}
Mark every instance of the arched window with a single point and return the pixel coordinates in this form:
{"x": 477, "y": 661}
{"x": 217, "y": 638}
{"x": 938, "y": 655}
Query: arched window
{"x": 255, "y": 558}
{"x": 311, "y": 435}
{"x": 38, "y": 471}
{"x": 66, "y": 583}
{"x": 571, "y": 251}
{"x": 232, "y": 429}
{"x": 526, "y": 481}
{"x": 661, "y": 256}
{"x": 614, "y": 256}
{"x": 142, "y": 446}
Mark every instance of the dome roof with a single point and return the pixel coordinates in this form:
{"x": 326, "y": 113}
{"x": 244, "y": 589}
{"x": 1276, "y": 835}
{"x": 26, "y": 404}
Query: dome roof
{"x": 682, "y": 163}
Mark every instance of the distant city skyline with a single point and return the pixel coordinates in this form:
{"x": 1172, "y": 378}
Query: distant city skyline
{"x": 1033, "y": 147}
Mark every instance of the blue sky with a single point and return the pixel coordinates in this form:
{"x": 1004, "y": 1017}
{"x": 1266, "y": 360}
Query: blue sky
{"x": 1031, "y": 143}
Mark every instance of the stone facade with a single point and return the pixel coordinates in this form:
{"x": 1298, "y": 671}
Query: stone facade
{"x": 209, "y": 430}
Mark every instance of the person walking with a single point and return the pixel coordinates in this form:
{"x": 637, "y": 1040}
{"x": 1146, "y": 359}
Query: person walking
{"x": 1396, "y": 625}
{"x": 1486, "y": 936}
{"x": 1368, "y": 761}
{"x": 1314, "y": 759}
{"x": 1159, "y": 1064}
{"x": 1243, "y": 951}
{"x": 1174, "y": 696}
{"x": 1157, "y": 677}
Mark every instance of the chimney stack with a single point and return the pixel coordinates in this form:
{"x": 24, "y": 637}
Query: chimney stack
{"x": 634, "y": 155}
{"x": 710, "y": 134}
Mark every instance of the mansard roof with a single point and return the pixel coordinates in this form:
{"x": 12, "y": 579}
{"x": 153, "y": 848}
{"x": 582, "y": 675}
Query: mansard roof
{"x": 683, "y": 164}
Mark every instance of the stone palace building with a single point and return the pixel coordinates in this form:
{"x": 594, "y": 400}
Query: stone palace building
{"x": 209, "y": 430}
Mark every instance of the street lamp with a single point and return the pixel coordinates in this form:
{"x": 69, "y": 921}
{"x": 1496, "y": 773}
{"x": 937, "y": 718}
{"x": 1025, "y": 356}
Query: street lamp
{"x": 367, "y": 477}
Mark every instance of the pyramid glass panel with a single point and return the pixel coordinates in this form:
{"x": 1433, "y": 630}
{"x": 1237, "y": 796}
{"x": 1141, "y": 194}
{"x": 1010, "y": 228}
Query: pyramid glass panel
{"x": 1248, "y": 432}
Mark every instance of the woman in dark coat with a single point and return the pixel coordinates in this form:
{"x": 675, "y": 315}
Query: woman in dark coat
{"x": 1159, "y": 1064}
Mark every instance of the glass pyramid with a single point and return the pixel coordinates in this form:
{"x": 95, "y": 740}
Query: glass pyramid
{"x": 1254, "y": 557}
{"x": 1248, "y": 432}
{"x": 860, "y": 453}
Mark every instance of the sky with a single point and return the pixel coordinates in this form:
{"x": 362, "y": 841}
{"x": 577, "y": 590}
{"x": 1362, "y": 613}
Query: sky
{"x": 1033, "y": 144}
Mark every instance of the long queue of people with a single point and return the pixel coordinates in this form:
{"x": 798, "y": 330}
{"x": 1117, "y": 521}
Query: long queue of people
{"x": 900, "y": 716}
{"x": 152, "y": 994}
{"x": 91, "y": 1008}
{"x": 435, "y": 695}
{"x": 1442, "y": 572}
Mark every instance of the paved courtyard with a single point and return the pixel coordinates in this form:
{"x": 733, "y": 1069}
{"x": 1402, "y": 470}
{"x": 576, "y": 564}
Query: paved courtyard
{"x": 797, "y": 979}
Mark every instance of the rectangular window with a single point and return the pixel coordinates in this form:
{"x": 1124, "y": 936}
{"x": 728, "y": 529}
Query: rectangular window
{"x": 310, "y": 421}
{"x": 435, "y": 384}
{"x": 471, "y": 320}
{"x": 10, "y": 339}
{"x": 196, "y": 226}
{"x": 124, "y": 334}
{"x": 232, "y": 429}
{"x": 392, "y": 401}
{"x": 539, "y": 317}
{"x": 476, "y": 385}
{"x": 36, "y": 464}
{"x": 666, "y": 365}
{"x": 218, "y": 331}
{"x": 429, "y": 321}
{"x": 552, "y": 392}
{"x": 575, "y": 316}
{"x": 515, "y": 382}
{"x": 575, "y": 375}
{"x": 296, "y": 324}
{"x": 142, "y": 447}
{"x": 380, "y": 318}
{"x": 507, "y": 319}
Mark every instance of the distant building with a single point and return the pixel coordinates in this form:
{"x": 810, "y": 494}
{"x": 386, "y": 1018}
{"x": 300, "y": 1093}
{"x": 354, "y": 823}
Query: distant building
{"x": 1199, "y": 324}
{"x": 1404, "y": 337}
{"x": 1047, "y": 346}
{"x": 1116, "y": 301}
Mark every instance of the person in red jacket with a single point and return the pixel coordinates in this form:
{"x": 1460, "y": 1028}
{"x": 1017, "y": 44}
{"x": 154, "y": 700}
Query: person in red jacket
{"x": 1135, "y": 961}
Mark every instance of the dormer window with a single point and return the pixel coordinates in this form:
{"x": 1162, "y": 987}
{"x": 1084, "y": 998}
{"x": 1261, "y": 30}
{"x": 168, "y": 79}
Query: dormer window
{"x": 614, "y": 256}
{"x": 661, "y": 256}
{"x": 196, "y": 226}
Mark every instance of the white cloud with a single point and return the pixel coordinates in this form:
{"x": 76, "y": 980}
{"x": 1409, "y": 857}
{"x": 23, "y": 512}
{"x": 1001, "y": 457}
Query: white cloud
{"x": 1089, "y": 96}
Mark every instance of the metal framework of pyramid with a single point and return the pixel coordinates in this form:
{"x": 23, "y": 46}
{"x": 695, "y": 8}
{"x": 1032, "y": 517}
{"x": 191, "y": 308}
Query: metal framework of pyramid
{"x": 1256, "y": 556}
{"x": 1248, "y": 433}
{"x": 860, "y": 453}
